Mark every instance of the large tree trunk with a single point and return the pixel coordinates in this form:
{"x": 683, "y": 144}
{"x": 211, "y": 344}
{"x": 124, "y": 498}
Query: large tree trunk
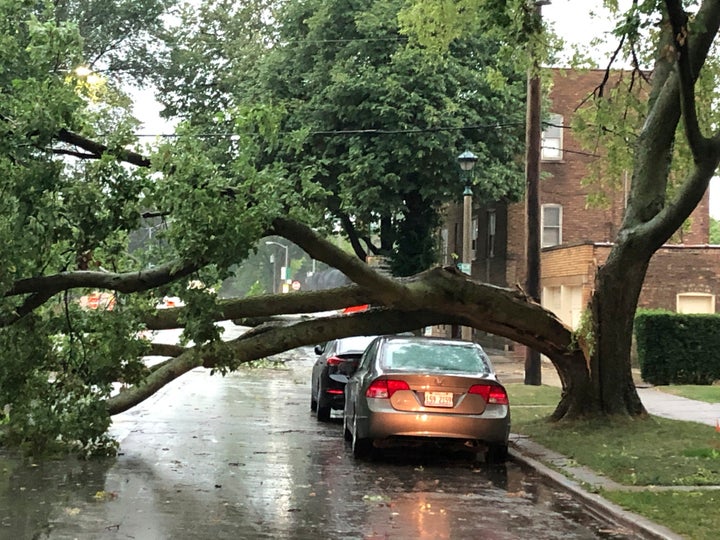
{"x": 604, "y": 385}
{"x": 599, "y": 381}
{"x": 617, "y": 289}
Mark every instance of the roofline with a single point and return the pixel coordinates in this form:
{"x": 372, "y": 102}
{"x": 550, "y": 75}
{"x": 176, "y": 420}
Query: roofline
{"x": 611, "y": 244}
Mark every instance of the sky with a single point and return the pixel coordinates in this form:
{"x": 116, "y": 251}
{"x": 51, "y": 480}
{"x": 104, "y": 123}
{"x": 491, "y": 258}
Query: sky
{"x": 579, "y": 22}
{"x": 571, "y": 19}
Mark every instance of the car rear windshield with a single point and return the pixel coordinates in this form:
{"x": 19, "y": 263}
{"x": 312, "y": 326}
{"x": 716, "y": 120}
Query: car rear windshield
{"x": 355, "y": 344}
{"x": 407, "y": 356}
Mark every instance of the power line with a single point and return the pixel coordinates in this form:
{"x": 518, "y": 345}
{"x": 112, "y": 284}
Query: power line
{"x": 414, "y": 130}
{"x": 372, "y": 132}
{"x": 341, "y": 40}
{"x": 330, "y": 133}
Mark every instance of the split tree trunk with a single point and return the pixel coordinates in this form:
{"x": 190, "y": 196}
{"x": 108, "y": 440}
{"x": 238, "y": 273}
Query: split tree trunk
{"x": 603, "y": 385}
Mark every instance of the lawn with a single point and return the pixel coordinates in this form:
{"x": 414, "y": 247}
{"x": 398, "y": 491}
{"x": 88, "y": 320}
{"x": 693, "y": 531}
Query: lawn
{"x": 708, "y": 393}
{"x": 642, "y": 452}
{"x": 692, "y": 514}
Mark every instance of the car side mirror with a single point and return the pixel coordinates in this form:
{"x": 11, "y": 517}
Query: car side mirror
{"x": 319, "y": 349}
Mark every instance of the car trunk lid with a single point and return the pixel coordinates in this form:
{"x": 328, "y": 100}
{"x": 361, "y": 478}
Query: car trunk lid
{"x": 444, "y": 393}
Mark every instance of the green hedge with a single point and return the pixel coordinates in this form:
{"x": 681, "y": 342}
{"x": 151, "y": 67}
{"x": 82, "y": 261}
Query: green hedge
{"x": 675, "y": 348}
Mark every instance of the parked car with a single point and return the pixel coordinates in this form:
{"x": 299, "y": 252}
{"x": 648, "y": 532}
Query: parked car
{"x": 420, "y": 390}
{"x": 336, "y": 357}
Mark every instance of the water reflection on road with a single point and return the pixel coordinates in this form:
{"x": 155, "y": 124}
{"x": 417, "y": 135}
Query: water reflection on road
{"x": 241, "y": 457}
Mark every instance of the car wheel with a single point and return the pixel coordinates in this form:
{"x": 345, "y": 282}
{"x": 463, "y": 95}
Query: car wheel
{"x": 323, "y": 411}
{"x": 361, "y": 448}
{"x": 347, "y": 434}
{"x": 313, "y": 404}
{"x": 496, "y": 453}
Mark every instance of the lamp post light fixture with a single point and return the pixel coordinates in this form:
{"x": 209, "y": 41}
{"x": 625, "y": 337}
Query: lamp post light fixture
{"x": 467, "y": 161}
{"x": 284, "y": 272}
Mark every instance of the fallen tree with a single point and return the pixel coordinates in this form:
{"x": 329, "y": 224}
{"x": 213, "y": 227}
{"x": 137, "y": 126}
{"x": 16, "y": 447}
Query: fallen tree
{"x": 437, "y": 296}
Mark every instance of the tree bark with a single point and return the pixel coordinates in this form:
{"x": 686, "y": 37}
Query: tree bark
{"x": 606, "y": 387}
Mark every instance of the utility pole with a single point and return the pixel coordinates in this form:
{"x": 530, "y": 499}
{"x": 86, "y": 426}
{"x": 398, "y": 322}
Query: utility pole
{"x": 533, "y": 131}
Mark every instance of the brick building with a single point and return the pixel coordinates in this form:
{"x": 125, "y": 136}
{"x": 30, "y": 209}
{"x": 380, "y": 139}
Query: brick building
{"x": 576, "y": 237}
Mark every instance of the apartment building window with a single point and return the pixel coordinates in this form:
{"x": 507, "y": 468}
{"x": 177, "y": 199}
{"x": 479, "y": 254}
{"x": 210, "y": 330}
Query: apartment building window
{"x": 474, "y": 238}
{"x": 551, "y": 224}
{"x": 457, "y": 246}
{"x": 552, "y": 138}
{"x": 491, "y": 220}
{"x": 444, "y": 252}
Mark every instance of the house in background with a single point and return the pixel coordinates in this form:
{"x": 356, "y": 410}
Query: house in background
{"x": 577, "y": 237}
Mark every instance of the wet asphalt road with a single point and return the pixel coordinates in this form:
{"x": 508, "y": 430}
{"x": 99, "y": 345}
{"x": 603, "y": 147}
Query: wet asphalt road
{"x": 241, "y": 457}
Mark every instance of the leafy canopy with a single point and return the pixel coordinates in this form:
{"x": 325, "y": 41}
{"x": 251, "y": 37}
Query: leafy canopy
{"x": 370, "y": 122}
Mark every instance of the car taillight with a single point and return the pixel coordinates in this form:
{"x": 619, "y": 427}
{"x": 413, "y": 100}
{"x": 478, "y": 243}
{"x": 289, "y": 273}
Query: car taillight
{"x": 385, "y": 388}
{"x": 334, "y": 361}
{"x": 491, "y": 393}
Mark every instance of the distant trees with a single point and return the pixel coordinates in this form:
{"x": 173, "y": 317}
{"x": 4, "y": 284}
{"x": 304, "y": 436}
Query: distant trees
{"x": 714, "y": 231}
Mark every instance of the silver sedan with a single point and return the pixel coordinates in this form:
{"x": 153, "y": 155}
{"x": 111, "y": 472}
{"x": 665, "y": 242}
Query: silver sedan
{"x": 416, "y": 390}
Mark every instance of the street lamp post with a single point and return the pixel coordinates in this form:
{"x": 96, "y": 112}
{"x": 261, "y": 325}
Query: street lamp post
{"x": 274, "y": 272}
{"x": 467, "y": 161}
{"x": 284, "y": 271}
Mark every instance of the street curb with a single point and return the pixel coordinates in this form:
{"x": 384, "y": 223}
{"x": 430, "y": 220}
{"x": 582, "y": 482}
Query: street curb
{"x": 601, "y": 508}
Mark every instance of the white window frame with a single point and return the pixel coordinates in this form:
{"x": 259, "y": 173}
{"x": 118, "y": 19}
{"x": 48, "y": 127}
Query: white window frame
{"x": 557, "y": 226}
{"x": 444, "y": 235}
{"x": 474, "y": 238}
{"x": 552, "y": 139}
{"x": 491, "y": 217}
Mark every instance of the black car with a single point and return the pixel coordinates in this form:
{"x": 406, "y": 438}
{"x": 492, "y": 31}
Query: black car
{"x": 336, "y": 357}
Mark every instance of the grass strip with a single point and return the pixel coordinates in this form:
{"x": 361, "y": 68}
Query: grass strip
{"x": 692, "y": 514}
{"x": 709, "y": 394}
{"x": 636, "y": 452}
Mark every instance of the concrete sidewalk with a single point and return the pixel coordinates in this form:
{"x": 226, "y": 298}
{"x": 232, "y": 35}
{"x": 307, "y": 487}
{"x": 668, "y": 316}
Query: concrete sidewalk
{"x": 679, "y": 408}
{"x": 656, "y": 402}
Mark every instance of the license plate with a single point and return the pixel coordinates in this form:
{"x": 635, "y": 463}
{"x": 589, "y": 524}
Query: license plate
{"x": 438, "y": 399}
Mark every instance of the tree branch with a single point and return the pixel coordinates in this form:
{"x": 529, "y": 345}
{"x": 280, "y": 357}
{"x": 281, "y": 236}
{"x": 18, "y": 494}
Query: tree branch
{"x": 31, "y": 303}
{"x": 652, "y": 216}
{"x": 322, "y": 250}
{"x": 352, "y": 234}
{"x": 439, "y": 296}
{"x": 97, "y": 150}
{"x": 269, "y": 305}
{"x": 125, "y": 282}
{"x": 681, "y": 39}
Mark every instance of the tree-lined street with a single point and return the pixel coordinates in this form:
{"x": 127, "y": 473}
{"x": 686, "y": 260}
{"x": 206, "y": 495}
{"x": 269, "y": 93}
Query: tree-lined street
{"x": 330, "y": 129}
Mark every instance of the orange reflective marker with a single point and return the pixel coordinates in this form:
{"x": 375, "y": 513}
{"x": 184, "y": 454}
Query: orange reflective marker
{"x": 355, "y": 309}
